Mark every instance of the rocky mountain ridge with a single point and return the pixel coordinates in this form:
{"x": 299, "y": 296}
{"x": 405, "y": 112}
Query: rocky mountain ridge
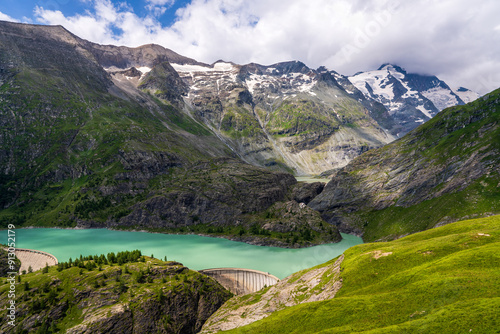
{"x": 284, "y": 116}
{"x": 339, "y": 117}
{"x": 411, "y": 99}
{"x": 443, "y": 171}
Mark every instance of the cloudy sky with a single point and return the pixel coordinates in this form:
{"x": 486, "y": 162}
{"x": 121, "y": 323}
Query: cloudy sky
{"x": 457, "y": 40}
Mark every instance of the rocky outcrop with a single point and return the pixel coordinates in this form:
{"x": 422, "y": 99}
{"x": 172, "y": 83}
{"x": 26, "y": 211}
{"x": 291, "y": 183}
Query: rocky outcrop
{"x": 164, "y": 82}
{"x": 305, "y": 286}
{"x": 305, "y": 192}
{"x": 110, "y": 56}
{"x": 229, "y": 199}
{"x": 214, "y": 193}
{"x": 138, "y": 297}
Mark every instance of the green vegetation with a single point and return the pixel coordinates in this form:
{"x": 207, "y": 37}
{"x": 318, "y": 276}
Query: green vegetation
{"x": 301, "y": 118}
{"x": 443, "y": 280}
{"x": 238, "y": 122}
{"x": 4, "y": 262}
{"x": 481, "y": 198}
{"x": 104, "y": 290}
{"x": 457, "y": 135}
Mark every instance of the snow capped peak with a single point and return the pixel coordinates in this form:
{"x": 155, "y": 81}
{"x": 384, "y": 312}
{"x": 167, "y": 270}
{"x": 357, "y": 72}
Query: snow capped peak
{"x": 144, "y": 69}
{"x": 223, "y": 66}
{"x": 218, "y": 66}
{"x": 391, "y": 68}
{"x": 409, "y": 98}
{"x": 466, "y": 95}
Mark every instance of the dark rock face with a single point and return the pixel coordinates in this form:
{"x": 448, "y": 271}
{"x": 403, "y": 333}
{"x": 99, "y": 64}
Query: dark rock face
{"x": 165, "y": 83}
{"x": 295, "y": 214}
{"x": 141, "y": 165}
{"x": 306, "y": 192}
{"x": 124, "y": 57}
{"x": 214, "y": 193}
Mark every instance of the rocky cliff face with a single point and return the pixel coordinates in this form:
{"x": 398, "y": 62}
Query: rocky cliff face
{"x": 137, "y": 297}
{"x": 443, "y": 171}
{"x": 283, "y": 115}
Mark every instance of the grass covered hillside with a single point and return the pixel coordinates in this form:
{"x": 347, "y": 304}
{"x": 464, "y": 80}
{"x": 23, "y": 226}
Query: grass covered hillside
{"x": 444, "y": 280}
{"x": 118, "y": 293}
{"x": 446, "y": 170}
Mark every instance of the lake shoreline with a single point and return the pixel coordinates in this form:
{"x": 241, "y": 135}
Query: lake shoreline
{"x": 194, "y": 251}
{"x": 250, "y": 240}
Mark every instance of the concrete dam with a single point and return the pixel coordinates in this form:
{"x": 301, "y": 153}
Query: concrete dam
{"x": 34, "y": 258}
{"x": 241, "y": 281}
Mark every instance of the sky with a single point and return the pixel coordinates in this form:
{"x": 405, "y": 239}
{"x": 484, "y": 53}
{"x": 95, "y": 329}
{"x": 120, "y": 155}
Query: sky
{"x": 457, "y": 40}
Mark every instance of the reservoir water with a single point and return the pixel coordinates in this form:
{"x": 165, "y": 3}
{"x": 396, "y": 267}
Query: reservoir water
{"x": 195, "y": 252}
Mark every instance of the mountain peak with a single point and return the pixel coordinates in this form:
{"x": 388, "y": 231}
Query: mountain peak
{"x": 391, "y": 67}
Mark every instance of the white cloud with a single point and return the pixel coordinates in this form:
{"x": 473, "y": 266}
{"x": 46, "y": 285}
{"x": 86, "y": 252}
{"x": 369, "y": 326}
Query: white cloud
{"x": 449, "y": 38}
{"x": 159, "y": 7}
{"x": 161, "y": 2}
{"x": 5, "y": 17}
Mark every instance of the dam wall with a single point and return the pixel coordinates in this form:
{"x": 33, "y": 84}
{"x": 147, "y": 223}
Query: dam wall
{"x": 34, "y": 258}
{"x": 241, "y": 281}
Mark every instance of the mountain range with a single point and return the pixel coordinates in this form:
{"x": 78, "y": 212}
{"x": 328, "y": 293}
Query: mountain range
{"x": 146, "y": 139}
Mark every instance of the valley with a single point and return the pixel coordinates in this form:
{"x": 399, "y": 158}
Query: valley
{"x": 280, "y": 168}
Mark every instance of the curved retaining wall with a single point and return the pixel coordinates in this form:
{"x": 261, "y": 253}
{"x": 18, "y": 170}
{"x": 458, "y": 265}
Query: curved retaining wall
{"x": 241, "y": 281}
{"x": 34, "y": 258}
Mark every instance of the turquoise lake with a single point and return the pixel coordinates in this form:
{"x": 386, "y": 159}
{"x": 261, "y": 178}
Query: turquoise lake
{"x": 195, "y": 252}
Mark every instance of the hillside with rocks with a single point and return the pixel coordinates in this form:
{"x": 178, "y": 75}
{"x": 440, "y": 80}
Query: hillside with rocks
{"x": 118, "y": 293}
{"x": 443, "y": 171}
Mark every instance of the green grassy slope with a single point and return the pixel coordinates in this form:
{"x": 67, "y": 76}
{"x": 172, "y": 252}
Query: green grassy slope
{"x": 444, "y": 280}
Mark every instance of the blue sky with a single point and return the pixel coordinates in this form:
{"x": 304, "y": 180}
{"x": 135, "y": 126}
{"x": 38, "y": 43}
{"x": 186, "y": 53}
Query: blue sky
{"x": 24, "y": 10}
{"x": 457, "y": 40}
